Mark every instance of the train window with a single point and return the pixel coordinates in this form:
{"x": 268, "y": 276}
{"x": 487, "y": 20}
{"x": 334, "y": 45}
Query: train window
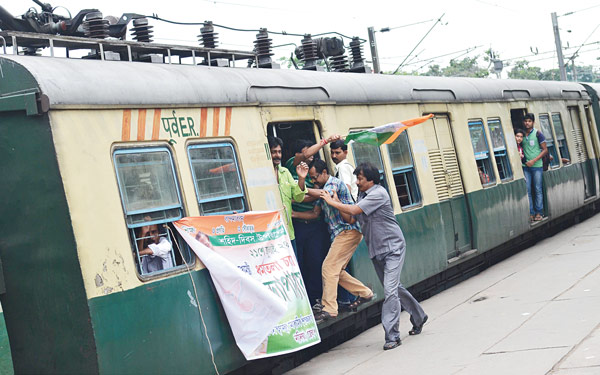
{"x": 364, "y": 152}
{"x": 499, "y": 146}
{"x": 403, "y": 171}
{"x": 151, "y": 200}
{"x": 560, "y": 136}
{"x": 547, "y": 131}
{"x": 216, "y": 178}
{"x": 482, "y": 153}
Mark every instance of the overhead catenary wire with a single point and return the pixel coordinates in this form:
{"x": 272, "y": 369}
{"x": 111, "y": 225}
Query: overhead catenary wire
{"x": 420, "y": 41}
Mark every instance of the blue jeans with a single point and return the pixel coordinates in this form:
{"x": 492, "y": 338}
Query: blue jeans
{"x": 312, "y": 245}
{"x": 535, "y": 193}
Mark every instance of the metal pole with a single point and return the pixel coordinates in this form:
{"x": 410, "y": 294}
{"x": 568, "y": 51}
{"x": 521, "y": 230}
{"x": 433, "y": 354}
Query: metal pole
{"x": 374, "y": 54}
{"x": 574, "y": 70}
{"x": 559, "y": 54}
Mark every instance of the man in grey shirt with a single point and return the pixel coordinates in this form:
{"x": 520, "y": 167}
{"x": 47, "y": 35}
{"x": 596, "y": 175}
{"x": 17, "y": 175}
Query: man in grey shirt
{"x": 387, "y": 248}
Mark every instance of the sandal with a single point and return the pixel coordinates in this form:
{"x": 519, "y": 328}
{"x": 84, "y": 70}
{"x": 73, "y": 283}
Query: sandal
{"x": 417, "y": 329}
{"x": 538, "y": 217}
{"x": 359, "y": 301}
{"x": 392, "y": 345}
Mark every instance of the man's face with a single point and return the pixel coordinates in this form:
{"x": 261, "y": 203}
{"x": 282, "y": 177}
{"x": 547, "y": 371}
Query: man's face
{"x": 337, "y": 155}
{"x": 528, "y": 123}
{"x": 362, "y": 183}
{"x": 276, "y": 155}
{"x": 150, "y": 231}
{"x": 319, "y": 179}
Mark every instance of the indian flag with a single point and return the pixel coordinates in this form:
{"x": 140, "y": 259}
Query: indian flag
{"x": 385, "y": 134}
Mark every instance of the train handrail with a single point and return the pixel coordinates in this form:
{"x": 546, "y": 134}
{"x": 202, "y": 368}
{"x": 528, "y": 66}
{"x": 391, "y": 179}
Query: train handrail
{"x": 3, "y": 44}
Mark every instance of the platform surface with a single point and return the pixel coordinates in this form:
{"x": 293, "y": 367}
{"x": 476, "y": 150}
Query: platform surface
{"x": 537, "y": 312}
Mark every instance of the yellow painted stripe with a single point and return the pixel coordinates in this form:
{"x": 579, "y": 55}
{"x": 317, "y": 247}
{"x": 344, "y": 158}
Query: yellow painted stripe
{"x": 126, "y": 130}
{"x": 141, "y": 130}
{"x": 228, "y": 120}
{"x": 203, "y": 116}
{"x": 156, "y": 125}
{"x": 216, "y": 113}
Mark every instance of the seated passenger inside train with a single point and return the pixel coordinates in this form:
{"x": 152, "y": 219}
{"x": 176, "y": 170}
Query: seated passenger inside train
{"x": 154, "y": 249}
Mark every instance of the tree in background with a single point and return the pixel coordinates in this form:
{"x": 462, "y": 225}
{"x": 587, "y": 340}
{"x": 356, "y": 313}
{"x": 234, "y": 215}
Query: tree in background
{"x": 522, "y": 70}
{"x": 467, "y": 67}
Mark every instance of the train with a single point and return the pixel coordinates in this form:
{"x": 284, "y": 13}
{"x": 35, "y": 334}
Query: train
{"x": 91, "y": 148}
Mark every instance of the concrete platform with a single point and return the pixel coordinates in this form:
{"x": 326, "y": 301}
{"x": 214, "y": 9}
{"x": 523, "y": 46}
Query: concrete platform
{"x": 537, "y": 312}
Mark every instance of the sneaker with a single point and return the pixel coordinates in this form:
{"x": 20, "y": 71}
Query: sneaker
{"x": 317, "y": 307}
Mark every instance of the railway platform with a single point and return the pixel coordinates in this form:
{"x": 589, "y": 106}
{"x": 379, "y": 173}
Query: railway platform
{"x": 537, "y": 312}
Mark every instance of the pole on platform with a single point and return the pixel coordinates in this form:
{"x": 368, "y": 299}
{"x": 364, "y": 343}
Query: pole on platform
{"x": 559, "y": 54}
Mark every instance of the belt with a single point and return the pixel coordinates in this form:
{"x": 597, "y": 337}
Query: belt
{"x": 305, "y": 221}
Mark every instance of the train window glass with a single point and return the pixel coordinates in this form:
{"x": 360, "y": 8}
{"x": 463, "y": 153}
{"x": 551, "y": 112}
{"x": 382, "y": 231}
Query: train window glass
{"x": 151, "y": 200}
{"x": 560, "y": 136}
{"x": 403, "y": 171}
{"x": 216, "y": 178}
{"x": 547, "y": 131}
{"x": 482, "y": 153}
{"x": 499, "y": 146}
{"x": 364, "y": 152}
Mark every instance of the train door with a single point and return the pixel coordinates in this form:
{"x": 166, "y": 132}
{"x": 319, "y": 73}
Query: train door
{"x": 290, "y": 132}
{"x": 516, "y": 117}
{"x": 581, "y": 154}
{"x": 448, "y": 182}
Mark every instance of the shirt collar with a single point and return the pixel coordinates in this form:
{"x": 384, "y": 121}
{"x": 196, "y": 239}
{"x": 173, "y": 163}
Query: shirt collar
{"x": 371, "y": 189}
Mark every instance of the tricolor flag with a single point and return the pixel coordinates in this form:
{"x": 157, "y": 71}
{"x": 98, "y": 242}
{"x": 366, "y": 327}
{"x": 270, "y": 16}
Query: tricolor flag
{"x": 385, "y": 134}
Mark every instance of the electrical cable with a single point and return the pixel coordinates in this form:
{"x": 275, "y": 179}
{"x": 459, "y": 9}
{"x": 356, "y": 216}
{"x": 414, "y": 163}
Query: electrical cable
{"x": 420, "y": 41}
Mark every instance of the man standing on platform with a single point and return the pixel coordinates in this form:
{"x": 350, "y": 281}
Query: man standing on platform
{"x": 387, "y": 248}
{"x": 289, "y": 189}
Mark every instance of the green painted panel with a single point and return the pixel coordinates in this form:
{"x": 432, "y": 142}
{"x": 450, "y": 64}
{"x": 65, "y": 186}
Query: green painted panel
{"x": 564, "y": 188}
{"x": 45, "y": 306}
{"x": 157, "y": 329}
{"x": 6, "y": 366}
{"x": 462, "y": 223}
{"x": 498, "y": 213}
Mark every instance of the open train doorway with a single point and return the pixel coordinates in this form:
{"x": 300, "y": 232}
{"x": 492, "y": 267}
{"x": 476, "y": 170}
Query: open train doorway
{"x": 291, "y": 132}
{"x": 516, "y": 117}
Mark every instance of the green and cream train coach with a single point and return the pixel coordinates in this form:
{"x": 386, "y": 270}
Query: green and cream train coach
{"x": 92, "y": 150}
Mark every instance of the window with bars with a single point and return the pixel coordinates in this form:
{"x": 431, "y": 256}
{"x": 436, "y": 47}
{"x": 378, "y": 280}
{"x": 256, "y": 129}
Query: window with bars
{"x": 547, "y": 131}
{"x": 499, "y": 146}
{"x": 364, "y": 152}
{"x": 563, "y": 148}
{"x": 482, "y": 153}
{"x": 151, "y": 201}
{"x": 403, "y": 170}
{"x": 217, "y": 178}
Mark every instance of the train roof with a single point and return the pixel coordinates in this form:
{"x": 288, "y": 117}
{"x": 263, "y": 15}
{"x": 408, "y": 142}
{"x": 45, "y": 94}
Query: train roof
{"x": 94, "y": 83}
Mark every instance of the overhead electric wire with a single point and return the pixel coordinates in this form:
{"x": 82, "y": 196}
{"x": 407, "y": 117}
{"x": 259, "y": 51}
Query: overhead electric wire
{"x": 586, "y": 39}
{"x": 387, "y": 29}
{"x": 420, "y": 41}
{"x": 580, "y": 10}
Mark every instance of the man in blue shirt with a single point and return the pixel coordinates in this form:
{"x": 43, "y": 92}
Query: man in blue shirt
{"x": 345, "y": 238}
{"x": 387, "y": 248}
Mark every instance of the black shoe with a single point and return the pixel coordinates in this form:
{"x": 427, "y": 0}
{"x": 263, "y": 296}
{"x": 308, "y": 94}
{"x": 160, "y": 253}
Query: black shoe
{"x": 344, "y": 307}
{"x": 317, "y": 307}
{"x": 392, "y": 345}
{"x": 322, "y": 316}
{"x": 417, "y": 329}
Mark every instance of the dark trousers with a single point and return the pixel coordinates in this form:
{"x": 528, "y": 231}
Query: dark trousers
{"x": 312, "y": 245}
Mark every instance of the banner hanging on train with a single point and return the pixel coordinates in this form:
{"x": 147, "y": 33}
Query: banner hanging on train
{"x": 255, "y": 272}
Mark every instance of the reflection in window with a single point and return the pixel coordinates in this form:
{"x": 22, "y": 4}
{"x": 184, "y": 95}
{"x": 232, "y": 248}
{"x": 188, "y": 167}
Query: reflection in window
{"x": 151, "y": 200}
{"x": 482, "y": 153}
{"x": 366, "y": 153}
{"x": 499, "y": 146}
{"x": 216, "y": 178}
{"x": 560, "y": 136}
{"x": 403, "y": 170}
{"x": 547, "y": 131}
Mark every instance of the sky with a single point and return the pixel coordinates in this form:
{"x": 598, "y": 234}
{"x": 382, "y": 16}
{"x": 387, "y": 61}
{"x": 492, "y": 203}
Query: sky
{"x": 511, "y": 28}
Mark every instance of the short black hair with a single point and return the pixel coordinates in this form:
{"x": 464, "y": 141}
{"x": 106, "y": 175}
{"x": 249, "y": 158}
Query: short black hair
{"x": 529, "y": 116}
{"x": 274, "y": 141}
{"x": 338, "y": 144}
{"x": 300, "y": 144}
{"x": 517, "y": 131}
{"x": 368, "y": 170}
{"x": 319, "y": 166}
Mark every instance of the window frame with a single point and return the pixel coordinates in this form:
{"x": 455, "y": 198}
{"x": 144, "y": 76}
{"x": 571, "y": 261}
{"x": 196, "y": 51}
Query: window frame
{"x": 550, "y": 144}
{"x": 500, "y": 153}
{"x": 131, "y": 228}
{"x": 382, "y": 176}
{"x": 199, "y": 201}
{"x": 409, "y": 174}
{"x": 482, "y": 156}
{"x": 566, "y": 144}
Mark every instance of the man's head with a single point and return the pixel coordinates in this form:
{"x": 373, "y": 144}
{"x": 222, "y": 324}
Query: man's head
{"x": 275, "y": 145}
{"x": 318, "y": 172}
{"x": 367, "y": 175}
{"x": 300, "y": 145}
{"x": 339, "y": 151}
{"x": 149, "y": 233}
{"x": 528, "y": 121}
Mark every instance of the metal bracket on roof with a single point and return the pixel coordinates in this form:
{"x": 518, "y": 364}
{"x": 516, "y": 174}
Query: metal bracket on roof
{"x": 33, "y": 103}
